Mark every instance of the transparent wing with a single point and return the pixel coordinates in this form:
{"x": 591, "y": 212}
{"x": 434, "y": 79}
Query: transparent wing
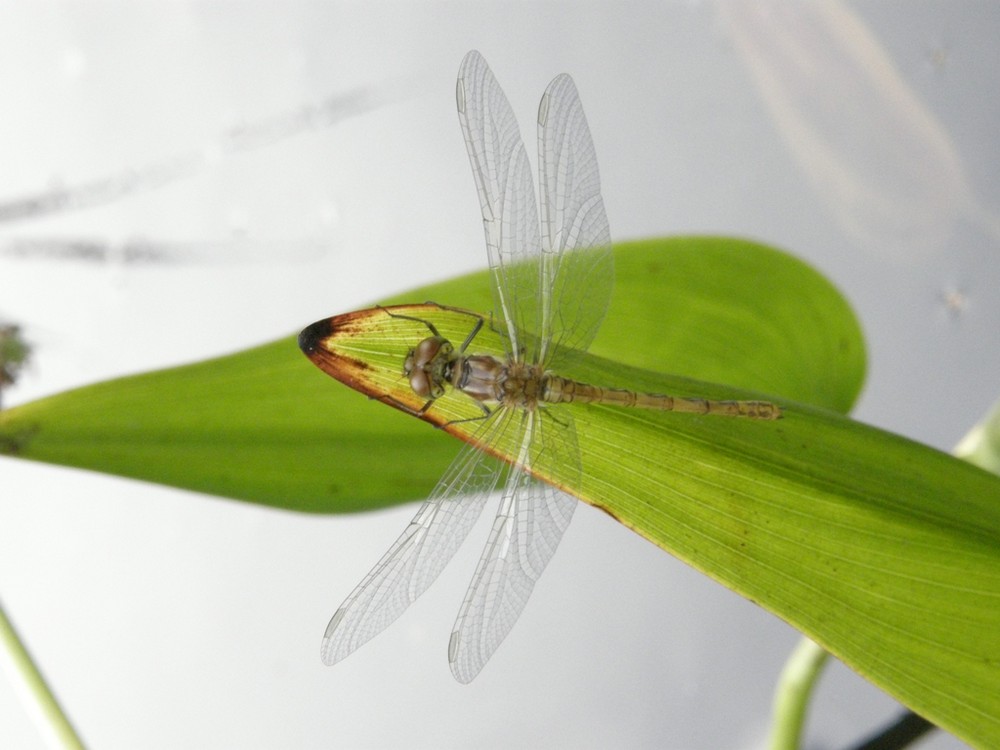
{"x": 527, "y": 529}
{"x": 577, "y": 264}
{"x": 419, "y": 555}
{"x": 506, "y": 196}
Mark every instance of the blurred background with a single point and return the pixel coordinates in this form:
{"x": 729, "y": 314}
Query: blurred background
{"x": 185, "y": 179}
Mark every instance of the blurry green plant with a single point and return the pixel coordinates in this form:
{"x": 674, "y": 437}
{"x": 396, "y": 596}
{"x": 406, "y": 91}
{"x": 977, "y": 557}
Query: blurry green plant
{"x": 14, "y": 355}
{"x": 883, "y": 551}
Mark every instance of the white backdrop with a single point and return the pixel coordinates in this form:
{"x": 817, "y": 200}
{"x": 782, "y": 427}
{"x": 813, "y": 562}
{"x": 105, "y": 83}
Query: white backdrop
{"x": 860, "y": 136}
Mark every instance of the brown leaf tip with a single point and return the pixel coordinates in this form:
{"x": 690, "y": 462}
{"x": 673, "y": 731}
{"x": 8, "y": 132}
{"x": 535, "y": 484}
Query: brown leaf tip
{"x": 312, "y": 336}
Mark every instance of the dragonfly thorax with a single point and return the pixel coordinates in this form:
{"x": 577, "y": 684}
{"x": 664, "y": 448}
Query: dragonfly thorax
{"x": 433, "y": 364}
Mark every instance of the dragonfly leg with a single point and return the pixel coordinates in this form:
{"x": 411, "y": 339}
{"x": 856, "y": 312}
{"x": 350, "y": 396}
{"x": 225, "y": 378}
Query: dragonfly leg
{"x": 554, "y": 414}
{"x": 407, "y": 409}
{"x": 487, "y": 413}
{"x": 409, "y": 317}
{"x": 468, "y": 339}
{"x": 475, "y": 329}
{"x": 472, "y": 334}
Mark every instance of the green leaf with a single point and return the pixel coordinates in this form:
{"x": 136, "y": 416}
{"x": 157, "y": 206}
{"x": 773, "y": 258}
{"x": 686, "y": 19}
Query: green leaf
{"x": 885, "y": 552}
{"x": 265, "y": 426}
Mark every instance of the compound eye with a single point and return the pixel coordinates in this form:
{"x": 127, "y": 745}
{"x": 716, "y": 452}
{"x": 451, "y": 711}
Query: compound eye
{"x": 426, "y": 351}
{"x": 421, "y": 384}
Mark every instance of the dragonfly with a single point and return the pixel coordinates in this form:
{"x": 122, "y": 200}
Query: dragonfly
{"x": 552, "y": 270}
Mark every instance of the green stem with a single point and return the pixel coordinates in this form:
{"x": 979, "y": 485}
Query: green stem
{"x": 38, "y": 699}
{"x": 981, "y": 446}
{"x": 792, "y": 696}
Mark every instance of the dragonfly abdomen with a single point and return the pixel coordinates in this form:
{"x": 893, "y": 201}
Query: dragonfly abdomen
{"x": 558, "y": 390}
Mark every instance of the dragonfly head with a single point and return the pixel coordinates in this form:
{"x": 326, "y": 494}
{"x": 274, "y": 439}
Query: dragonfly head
{"x": 427, "y": 366}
